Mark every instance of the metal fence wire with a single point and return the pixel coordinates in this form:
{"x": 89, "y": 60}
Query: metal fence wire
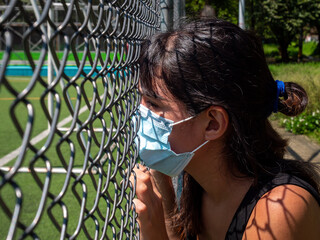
{"x": 68, "y": 129}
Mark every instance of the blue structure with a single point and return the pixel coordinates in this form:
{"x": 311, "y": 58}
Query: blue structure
{"x": 25, "y": 70}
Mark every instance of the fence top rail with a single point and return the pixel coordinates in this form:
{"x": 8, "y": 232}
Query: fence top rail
{"x": 55, "y": 6}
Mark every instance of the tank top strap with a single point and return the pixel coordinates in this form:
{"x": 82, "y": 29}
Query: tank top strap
{"x": 242, "y": 215}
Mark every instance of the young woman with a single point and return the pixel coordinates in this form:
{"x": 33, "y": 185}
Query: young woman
{"x": 207, "y": 93}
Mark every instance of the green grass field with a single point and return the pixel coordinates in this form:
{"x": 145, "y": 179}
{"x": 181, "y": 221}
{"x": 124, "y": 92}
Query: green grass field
{"x": 32, "y": 196}
{"x": 9, "y": 135}
{"x": 10, "y": 140}
{"x": 20, "y": 55}
{"x": 272, "y": 50}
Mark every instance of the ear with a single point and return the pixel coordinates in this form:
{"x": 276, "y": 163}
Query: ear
{"x": 217, "y": 122}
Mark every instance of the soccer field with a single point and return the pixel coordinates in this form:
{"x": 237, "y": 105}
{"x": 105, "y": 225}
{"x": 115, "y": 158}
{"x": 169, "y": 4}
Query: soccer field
{"x": 80, "y": 191}
{"x": 10, "y": 138}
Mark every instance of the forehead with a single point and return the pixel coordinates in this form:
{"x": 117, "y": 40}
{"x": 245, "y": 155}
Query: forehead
{"x": 157, "y": 89}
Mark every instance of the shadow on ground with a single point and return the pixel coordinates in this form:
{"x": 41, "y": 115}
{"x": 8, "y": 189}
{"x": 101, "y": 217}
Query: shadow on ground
{"x": 300, "y": 147}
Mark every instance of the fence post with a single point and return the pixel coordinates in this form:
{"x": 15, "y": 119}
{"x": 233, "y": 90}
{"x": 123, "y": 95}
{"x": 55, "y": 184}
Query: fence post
{"x": 178, "y": 11}
{"x": 50, "y": 74}
{"x": 166, "y": 7}
{"x": 241, "y": 14}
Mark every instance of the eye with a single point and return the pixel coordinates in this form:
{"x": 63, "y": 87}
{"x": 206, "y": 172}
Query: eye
{"x": 151, "y": 105}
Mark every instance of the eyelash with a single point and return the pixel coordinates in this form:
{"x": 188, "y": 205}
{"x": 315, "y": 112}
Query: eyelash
{"x": 152, "y": 105}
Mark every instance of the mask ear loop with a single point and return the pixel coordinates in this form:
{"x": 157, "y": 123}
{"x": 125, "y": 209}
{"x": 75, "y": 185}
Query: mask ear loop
{"x": 200, "y": 146}
{"x": 181, "y": 121}
{"x": 184, "y": 120}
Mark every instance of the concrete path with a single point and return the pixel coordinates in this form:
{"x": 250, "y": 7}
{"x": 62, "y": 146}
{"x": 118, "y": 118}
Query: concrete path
{"x": 300, "y": 147}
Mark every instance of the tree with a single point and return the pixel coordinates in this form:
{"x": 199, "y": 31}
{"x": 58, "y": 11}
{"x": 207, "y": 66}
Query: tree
{"x": 282, "y": 17}
{"x": 313, "y": 7}
{"x": 282, "y": 20}
{"x": 287, "y": 19}
{"x": 309, "y": 14}
{"x": 224, "y": 9}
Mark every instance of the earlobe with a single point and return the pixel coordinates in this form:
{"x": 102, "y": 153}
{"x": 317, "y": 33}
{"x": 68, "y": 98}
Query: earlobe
{"x": 217, "y": 122}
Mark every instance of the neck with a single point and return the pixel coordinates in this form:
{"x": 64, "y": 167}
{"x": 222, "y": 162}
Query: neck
{"x": 210, "y": 169}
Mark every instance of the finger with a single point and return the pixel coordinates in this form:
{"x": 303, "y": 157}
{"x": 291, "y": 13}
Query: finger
{"x": 141, "y": 210}
{"x": 143, "y": 168}
{"x": 133, "y": 179}
{"x": 155, "y": 187}
{"x": 144, "y": 190}
{"x": 142, "y": 185}
{"x": 145, "y": 179}
{"x": 133, "y": 175}
{"x": 139, "y": 167}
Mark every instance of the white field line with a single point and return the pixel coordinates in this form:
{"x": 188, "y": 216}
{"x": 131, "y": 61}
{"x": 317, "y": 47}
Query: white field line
{"x": 44, "y": 170}
{"x": 57, "y": 169}
{"x": 7, "y": 158}
{"x": 61, "y": 129}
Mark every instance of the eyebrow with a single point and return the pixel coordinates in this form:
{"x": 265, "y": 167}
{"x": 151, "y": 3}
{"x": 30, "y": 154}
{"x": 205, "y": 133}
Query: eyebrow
{"x": 152, "y": 95}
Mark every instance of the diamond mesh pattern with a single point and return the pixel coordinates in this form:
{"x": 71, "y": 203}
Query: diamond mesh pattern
{"x": 74, "y": 133}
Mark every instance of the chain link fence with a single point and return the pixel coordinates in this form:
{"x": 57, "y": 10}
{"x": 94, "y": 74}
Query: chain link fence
{"x": 68, "y": 96}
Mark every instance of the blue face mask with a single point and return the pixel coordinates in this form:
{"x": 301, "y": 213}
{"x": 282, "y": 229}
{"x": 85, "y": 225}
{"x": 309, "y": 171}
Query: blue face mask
{"x": 155, "y": 149}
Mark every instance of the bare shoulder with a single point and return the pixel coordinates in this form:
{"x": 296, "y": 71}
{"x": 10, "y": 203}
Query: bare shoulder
{"x": 286, "y": 212}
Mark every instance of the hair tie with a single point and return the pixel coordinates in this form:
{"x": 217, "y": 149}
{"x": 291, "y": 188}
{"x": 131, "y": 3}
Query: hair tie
{"x": 281, "y": 90}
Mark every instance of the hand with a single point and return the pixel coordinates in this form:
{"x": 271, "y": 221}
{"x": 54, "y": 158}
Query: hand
{"x": 148, "y": 206}
{"x": 165, "y": 187}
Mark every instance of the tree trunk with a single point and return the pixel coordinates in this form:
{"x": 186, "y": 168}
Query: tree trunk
{"x": 283, "y": 48}
{"x": 284, "y": 38}
{"x": 300, "y": 45}
{"x": 252, "y": 17}
{"x": 317, "y": 50}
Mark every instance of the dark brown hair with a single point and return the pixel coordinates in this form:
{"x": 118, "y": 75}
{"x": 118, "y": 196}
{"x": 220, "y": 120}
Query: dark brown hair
{"x": 213, "y": 62}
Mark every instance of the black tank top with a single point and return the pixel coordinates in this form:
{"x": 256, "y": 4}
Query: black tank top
{"x": 242, "y": 215}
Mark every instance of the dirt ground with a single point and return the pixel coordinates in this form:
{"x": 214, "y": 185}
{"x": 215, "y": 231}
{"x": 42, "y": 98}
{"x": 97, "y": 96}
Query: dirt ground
{"x": 300, "y": 147}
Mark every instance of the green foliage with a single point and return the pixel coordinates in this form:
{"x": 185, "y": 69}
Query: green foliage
{"x": 271, "y": 50}
{"x": 289, "y": 15}
{"x": 225, "y": 9}
{"x": 282, "y": 14}
{"x": 304, "y": 123}
{"x": 193, "y": 7}
{"x": 308, "y": 49}
{"x": 311, "y": 11}
{"x": 281, "y": 17}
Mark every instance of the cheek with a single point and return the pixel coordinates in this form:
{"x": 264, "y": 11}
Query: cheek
{"x": 184, "y": 138}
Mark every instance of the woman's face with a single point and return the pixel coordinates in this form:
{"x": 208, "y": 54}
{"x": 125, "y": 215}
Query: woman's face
{"x": 186, "y": 136}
